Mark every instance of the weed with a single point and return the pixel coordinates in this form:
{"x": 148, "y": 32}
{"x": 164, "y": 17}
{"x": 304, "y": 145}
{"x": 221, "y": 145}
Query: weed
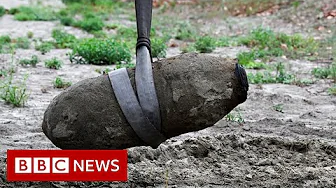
{"x": 278, "y": 108}
{"x": 248, "y": 60}
{"x": 235, "y": 117}
{"x": 187, "y": 48}
{"x": 303, "y": 82}
{"x": 269, "y": 43}
{"x": 281, "y": 76}
{"x": 205, "y": 44}
{"x": 60, "y": 83}
{"x": 34, "y": 13}
{"x": 112, "y": 26}
{"x": 124, "y": 65}
{"x": 185, "y": 31}
{"x": 329, "y": 72}
{"x": 32, "y": 62}
{"x": 2, "y": 11}
{"x": 159, "y": 48}
{"x": 223, "y": 42}
{"x": 30, "y": 34}
{"x": 13, "y": 93}
{"x": 63, "y": 39}
{"x": 13, "y": 11}
{"x": 22, "y": 42}
{"x": 44, "y": 47}
{"x": 5, "y": 41}
{"x": 105, "y": 71}
{"x": 332, "y": 90}
{"x": 53, "y": 63}
{"x": 127, "y": 32}
{"x": 100, "y": 51}
{"x": 90, "y": 23}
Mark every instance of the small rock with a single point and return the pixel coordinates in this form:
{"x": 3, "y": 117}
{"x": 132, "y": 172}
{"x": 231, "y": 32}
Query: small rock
{"x": 248, "y": 177}
{"x": 265, "y": 162}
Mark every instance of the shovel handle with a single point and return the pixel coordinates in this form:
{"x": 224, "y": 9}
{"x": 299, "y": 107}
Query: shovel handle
{"x": 143, "y": 9}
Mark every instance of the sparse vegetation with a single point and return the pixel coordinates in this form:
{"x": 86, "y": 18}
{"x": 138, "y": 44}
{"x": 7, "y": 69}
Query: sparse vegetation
{"x": 32, "y": 61}
{"x": 124, "y": 65}
{"x": 269, "y": 43}
{"x": 22, "y": 42}
{"x": 159, "y": 48}
{"x": 187, "y": 48}
{"x": 24, "y": 13}
{"x": 60, "y": 83}
{"x": 248, "y": 60}
{"x": 30, "y": 34}
{"x": 205, "y": 44}
{"x": 90, "y": 23}
{"x": 14, "y": 93}
{"x": 53, "y": 63}
{"x": 185, "y": 31}
{"x": 332, "y": 90}
{"x": 2, "y": 11}
{"x": 280, "y": 76}
{"x": 278, "y": 108}
{"x": 63, "y": 39}
{"x": 5, "y": 41}
{"x": 100, "y": 51}
{"x": 235, "y": 117}
{"x": 44, "y": 47}
{"x": 328, "y": 72}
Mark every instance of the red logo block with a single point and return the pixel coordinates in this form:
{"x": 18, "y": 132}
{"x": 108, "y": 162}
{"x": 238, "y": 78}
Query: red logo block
{"x": 67, "y": 165}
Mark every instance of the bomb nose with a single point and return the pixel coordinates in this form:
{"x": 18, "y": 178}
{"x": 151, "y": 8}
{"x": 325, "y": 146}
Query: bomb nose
{"x": 240, "y": 73}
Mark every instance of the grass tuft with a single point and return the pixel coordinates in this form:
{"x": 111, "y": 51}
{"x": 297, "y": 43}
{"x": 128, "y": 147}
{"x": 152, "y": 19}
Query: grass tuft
{"x": 53, "y": 63}
{"x": 32, "y": 61}
{"x": 60, "y": 83}
{"x": 205, "y": 44}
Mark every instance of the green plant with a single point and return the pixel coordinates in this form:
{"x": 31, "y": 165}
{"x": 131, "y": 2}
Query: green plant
{"x": 332, "y": 90}
{"x": 53, "y": 63}
{"x": 2, "y": 11}
{"x": 100, "y": 51}
{"x": 235, "y": 117}
{"x": 278, "y": 108}
{"x": 248, "y": 60}
{"x": 13, "y": 93}
{"x": 60, "y": 83}
{"x": 44, "y": 47}
{"x": 278, "y": 44}
{"x": 159, "y": 48}
{"x": 5, "y": 41}
{"x": 22, "y": 42}
{"x": 90, "y": 23}
{"x": 124, "y": 65}
{"x": 33, "y": 61}
{"x": 186, "y": 48}
{"x": 30, "y": 34}
{"x": 185, "y": 31}
{"x": 13, "y": 11}
{"x": 24, "y": 13}
{"x": 329, "y": 72}
{"x": 280, "y": 76}
{"x": 63, "y": 39}
{"x": 127, "y": 32}
{"x": 205, "y": 44}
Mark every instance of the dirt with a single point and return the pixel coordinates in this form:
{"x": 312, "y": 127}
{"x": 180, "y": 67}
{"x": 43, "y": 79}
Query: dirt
{"x": 292, "y": 147}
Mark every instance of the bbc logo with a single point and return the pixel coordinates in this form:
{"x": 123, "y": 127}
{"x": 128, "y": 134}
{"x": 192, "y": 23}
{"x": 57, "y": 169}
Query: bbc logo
{"x": 66, "y": 165}
{"x": 41, "y": 165}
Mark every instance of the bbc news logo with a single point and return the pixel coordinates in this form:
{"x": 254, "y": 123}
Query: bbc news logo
{"x": 66, "y": 165}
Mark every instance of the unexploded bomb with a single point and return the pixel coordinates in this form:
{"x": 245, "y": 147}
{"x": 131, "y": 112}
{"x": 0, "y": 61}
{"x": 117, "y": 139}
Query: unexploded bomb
{"x": 194, "y": 92}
